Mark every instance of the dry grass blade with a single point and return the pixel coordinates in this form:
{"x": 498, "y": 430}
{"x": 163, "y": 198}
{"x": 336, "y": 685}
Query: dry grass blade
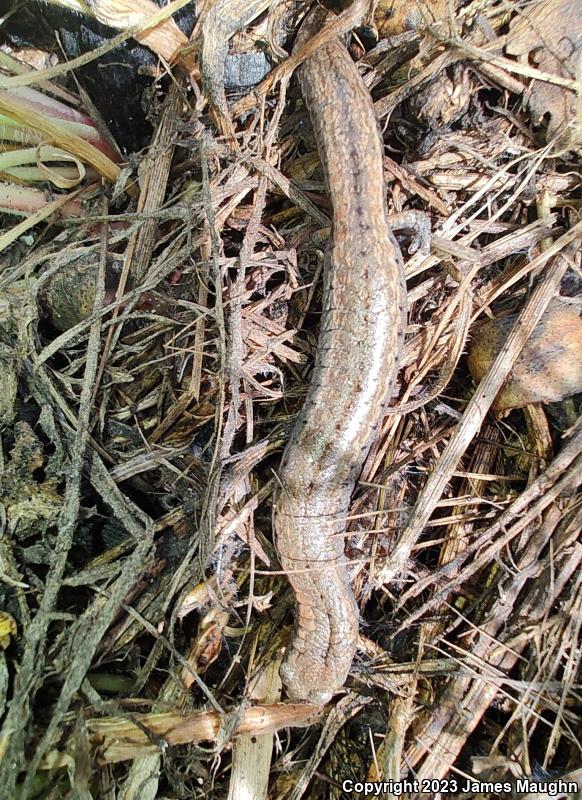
{"x": 223, "y": 20}
{"x": 467, "y": 699}
{"x": 119, "y": 739}
{"x": 474, "y": 416}
{"x": 344, "y": 22}
{"x": 523, "y": 510}
{"x": 36, "y": 76}
{"x": 54, "y": 133}
{"x": 16, "y": 231}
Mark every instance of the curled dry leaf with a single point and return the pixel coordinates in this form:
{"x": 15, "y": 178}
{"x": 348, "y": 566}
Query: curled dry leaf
{"x": 8, "y": 628}
{"x": 69, "y": 296}
{"x": 550, "y": 365}
{"x": 394, "y": 18}
{"x": 165, "y": 39}
{"x": 550, "y": 37}
{"x": 445, "y": 100}
{"x": 263, "y": 602}
{"x": 209, "y": 641}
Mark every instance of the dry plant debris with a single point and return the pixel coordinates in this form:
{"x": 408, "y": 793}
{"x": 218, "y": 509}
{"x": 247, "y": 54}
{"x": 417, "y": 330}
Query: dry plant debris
{"x": 153, "y": 355}
{"x": 548, "y": 369}
{"x": 551, "y": 35}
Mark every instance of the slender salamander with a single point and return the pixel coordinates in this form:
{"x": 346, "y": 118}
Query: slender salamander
{"x": 362, "y": 329}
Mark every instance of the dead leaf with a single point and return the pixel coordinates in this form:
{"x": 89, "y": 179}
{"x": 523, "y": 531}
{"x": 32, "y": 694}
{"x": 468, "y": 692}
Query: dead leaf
{"x": 397, "y": 16}
{"x": 209, "y": 642}
{"x": 8, "y": 628}
{"x": 549, "y": 367}
{"x": 31, "y": 506}
{"x": 550, "y": 38}
{"x": 445, "y": 100}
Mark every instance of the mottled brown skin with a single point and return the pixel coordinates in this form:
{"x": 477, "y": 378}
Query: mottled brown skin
{"x": 361, "y": 334}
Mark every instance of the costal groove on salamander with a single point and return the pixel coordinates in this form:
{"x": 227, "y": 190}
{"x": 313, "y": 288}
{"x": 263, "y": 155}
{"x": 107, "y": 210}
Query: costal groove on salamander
{"x": 362, "y": 326}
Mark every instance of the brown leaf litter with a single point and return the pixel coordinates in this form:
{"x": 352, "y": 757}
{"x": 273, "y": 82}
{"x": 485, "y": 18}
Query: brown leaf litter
{"x": 153, "y": 355}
